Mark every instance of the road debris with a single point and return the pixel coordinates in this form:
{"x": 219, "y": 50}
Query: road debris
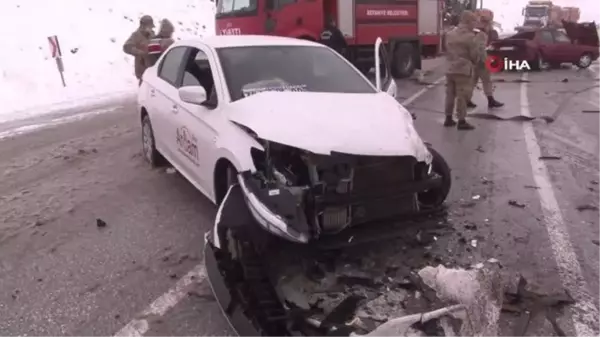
{"x": 476, "y": 197}
{"x": 586, "y": 207}
{"x": 100, "y": 223}
{"x": 480, "y": 149}
{"x": 474, "y": 243}
{"x": 532, "y": 187}
{"x": 591, "y": 111}
{"x": 596, "y": 242}
{"x": 515, "y": 203}
{"x": 530, "y": 304}
{"x": 550, "y": 158}
{"x": 170, "y": 170}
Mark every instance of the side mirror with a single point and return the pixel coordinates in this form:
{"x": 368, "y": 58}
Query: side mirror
{"x": 193, "y": 94}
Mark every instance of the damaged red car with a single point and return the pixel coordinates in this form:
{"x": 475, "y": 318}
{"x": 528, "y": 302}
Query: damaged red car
{"x": 576, "y": 43}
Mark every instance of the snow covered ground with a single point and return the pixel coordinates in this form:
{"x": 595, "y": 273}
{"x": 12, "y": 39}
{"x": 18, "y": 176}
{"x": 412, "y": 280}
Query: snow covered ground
{"x": 91, "y": 34}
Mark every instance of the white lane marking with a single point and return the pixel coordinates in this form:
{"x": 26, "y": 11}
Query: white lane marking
{"x": 138, "y": 327}
{"x": 584, "y": 313}
{"x": 422, "y": 91}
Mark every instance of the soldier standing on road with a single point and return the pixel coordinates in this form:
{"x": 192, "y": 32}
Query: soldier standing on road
{"x": 480, "y": 70}
{"x": 137, "y": 45}
{"x": 461, "y": 55}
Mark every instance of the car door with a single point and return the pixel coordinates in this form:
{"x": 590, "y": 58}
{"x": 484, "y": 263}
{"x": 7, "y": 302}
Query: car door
{"x": 164, "y": 94}
{"x": 383, "y": 78}
{"x": 547, "y": 46}
{"x": 197, "y": 124}
{"x": 565, "y": 49}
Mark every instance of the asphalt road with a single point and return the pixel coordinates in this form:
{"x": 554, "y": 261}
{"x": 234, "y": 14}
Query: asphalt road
{"x": 62, "y": 274}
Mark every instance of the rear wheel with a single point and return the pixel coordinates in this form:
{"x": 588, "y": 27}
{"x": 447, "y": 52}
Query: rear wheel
{"x": 584, "y": 61}
{"x": 435, "y": 197}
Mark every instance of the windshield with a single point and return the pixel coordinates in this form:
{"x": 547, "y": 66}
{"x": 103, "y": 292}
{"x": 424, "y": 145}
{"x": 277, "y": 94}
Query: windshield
{"x": 234, "y": 7}
{"x": 250, "y": 70}
{"x": 537, "y": 12}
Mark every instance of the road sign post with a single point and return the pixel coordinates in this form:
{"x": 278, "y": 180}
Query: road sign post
{"x": 57, "y": 56}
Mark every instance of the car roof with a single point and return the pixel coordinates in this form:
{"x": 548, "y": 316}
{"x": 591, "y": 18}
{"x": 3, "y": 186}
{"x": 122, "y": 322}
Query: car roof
{"x": 224, "y": 41}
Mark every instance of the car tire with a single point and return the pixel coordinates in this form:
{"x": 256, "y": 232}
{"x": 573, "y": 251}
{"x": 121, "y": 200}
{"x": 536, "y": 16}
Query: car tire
{"x": 585, "y": 60}
{"x": 151, "y": 154}
{"x": 435, "y": 198}
{"x": 539, "y": 64}
{"x": 403, "y": 61}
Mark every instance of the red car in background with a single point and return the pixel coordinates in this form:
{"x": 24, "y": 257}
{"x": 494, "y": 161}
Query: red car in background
{"x": 576, "y": 43}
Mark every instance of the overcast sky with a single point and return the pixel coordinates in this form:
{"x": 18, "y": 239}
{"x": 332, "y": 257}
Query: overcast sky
{"x": 508, "y": 12}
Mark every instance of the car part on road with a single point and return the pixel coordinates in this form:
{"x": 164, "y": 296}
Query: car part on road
{"x": 151, "y": 154}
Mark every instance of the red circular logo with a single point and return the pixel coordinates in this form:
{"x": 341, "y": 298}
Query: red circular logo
{"x": 494, "y": 64}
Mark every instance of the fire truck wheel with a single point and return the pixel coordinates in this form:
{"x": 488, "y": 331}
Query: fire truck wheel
{"x": 584, "y": 61}
{"x": 403, "y": 60}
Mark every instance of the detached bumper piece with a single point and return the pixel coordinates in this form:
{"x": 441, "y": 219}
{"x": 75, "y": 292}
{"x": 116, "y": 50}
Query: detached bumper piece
{"x": 237, "y": 275}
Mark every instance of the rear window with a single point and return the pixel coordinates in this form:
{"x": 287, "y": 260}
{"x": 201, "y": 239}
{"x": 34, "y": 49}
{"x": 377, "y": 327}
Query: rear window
{"x": 523, "y": 36}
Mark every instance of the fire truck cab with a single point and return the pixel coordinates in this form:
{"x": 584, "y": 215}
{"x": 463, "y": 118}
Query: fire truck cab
{"x": 409, "y": 28}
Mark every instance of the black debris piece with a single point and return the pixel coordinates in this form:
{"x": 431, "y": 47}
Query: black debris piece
{"x": 586, "y": 207}
{"x": 550, "y": 158}
{"x": 565, "y": 80}
{"x": 591, "y": 111}
{"x": 515, "y": 203}
{"x": 532, "y": 187}
{"x": 100, "y": 223}
{"x": 596, "y": 242}
{"x": 480, "y": 149}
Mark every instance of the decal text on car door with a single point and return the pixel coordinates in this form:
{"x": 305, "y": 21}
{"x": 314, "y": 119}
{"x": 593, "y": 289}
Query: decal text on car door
{"x": 187, "y": 144}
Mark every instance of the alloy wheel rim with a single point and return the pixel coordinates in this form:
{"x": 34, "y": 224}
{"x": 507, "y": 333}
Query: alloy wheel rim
{"x": 585, "y": 60}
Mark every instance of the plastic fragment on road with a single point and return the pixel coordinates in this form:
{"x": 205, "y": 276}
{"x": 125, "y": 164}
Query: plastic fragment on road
{"x": 476, "y": 197}
{"x": 170, "y": 170}
{"x": 474, "y": 243}
{"x": 479, "y": 291}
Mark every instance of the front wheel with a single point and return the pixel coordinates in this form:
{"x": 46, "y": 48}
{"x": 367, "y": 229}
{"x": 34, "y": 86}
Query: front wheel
{"x": 540, "y": 64}
{"x": 151, "y": 154}
{"x": 434, "y": 198}
{"x": 584, "y": 61}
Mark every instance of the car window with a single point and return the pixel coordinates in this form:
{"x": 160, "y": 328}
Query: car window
{"x": 561, "y": 37}
{"x": 249, "y": 70}
{"x": 171, "y": 65}
{"x": 546, "y": 36}
{"x": 198, "y": 71}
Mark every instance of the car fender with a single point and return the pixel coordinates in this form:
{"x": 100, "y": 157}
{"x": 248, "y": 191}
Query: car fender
{"x": 234, "y": 145}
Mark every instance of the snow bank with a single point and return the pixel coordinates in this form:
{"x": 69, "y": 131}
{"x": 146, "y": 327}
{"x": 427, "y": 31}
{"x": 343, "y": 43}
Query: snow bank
{"x": 91, "y": 34}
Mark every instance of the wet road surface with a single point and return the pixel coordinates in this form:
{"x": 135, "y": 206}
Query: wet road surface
{"x": 62, "y": 274}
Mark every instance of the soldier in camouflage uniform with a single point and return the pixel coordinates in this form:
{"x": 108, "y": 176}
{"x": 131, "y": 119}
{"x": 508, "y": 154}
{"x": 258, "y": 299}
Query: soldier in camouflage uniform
{"x": 461, "y": 55}
{"x": 480, "y": 70}
{"x": 137, "y": 45}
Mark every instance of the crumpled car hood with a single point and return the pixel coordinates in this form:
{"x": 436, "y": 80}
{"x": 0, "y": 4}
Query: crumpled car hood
{"x": 322, "y": 123}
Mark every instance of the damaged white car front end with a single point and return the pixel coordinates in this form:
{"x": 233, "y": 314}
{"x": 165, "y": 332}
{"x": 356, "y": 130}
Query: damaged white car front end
{"x": 331, "y": 161}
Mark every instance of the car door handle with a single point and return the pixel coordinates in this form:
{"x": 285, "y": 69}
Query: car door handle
{"x": 174, "y": 109}
{"x": 152, "y": 93}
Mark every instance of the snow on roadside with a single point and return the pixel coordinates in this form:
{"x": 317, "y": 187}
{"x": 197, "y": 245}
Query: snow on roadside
{"x": 91, "y": 34}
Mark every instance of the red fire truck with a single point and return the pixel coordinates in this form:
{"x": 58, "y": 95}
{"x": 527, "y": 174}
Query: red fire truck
{"x": 410, "y": 29}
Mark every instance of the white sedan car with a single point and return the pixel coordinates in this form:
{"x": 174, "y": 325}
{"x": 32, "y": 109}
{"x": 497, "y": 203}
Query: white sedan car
{"x": 311, "y": 143}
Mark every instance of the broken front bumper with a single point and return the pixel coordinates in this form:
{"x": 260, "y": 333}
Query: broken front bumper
{"x": 285, "y": 212}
